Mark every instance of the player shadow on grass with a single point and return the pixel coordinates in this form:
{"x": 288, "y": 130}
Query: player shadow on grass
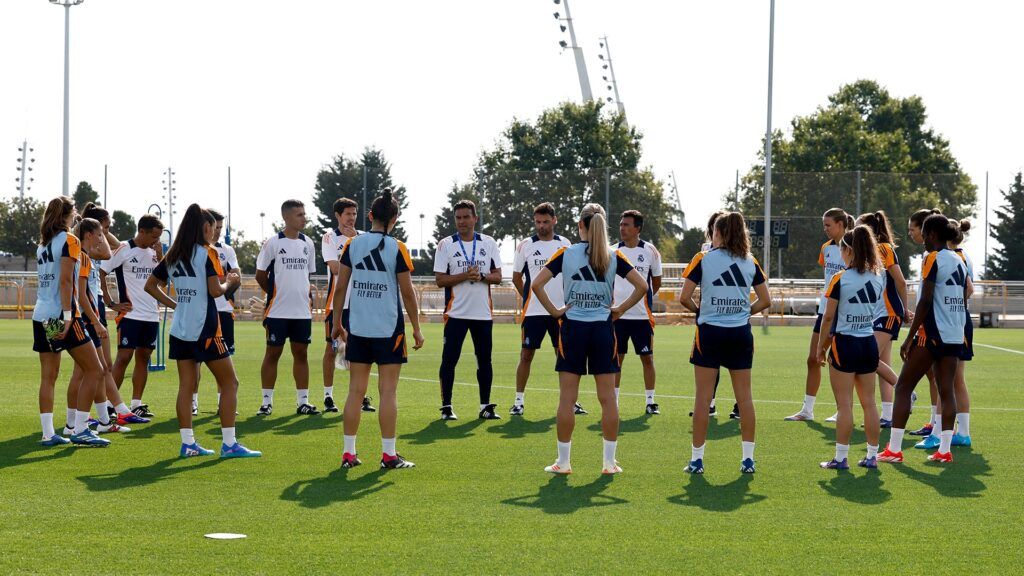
{"x": 956, "y": 480}
{"x": 719, "y": 429}
{"x": 14, "y": 452}
{"x": 717, "y": 498}
{"x": 146, "y": 475}
{"x": 558, "y": 497}
{"x": 290, "y": 425}
{"x": 335, "y": 487}
{"x": 859, "y": 489}
{"x": 639, "y": 423}
{"x": 442, "y": 430}
{"x": 519, "y": 427}
{"x": 153, "y": 429}
{"x": 828, "y": 433}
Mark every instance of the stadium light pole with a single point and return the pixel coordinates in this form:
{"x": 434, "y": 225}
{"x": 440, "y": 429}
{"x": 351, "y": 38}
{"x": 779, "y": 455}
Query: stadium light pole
{"x": 227, "y": 233}
{"x": 613, "y": 85}
{"x": 67, "y": 4}
{"x": 581, "y": 65}
{"x": 768, "y": 147}
{"x": 24, "y": 180}
{"x": 169, "y": 195}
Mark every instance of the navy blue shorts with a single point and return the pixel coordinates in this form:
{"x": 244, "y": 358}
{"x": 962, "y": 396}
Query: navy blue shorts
{"x": 203, "y": 350}
{"x": 227, "y": 330}
{"x": 101, "y": 312}
{"x": 968, "y": 353}
{"x": 299, "y": 331}
{"x": 641, "y": 332}
{"x": 889, "y": 325}
{"x": 93, "y": 335}
{"x": 377, "y": 351}
{"x": 77, "y": 335}
{"x": 854, "y": 354}
{"x": 534, "y": 328}
{"x": 135, "y": 334}
{"x": 817, "y": 324}
{"x": 939, "y": 349}
{"x": 329, "y": 324}
{"x": 729, "y": 347}
{"x": 586, "y": 347}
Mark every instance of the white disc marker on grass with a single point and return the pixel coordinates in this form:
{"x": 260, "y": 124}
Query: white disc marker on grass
{"x": 224, "y": 536}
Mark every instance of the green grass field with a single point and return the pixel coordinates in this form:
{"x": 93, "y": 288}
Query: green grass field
{"x": 478, "y": 500}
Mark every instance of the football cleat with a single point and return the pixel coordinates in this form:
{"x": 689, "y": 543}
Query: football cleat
{"x": 890, "y": 456}
{"x": 611, "y": 468}
{"x": 883, "y": 423}
{"x": 653, "y": 409}
{"x": 517, "y": 410}
{"x": 578, "y": 409}
{"x": 111, "y": 428}
{"x": 193, "y": 449}
{"x": 925, "y": 430}
{"x": 90, "y": 439}
{"x": 712, "y": 410}
{"x": 111, "y": 412}
{"x": 869, "y": 463}
{"x": 131, "y": 418}
{"x": 394, "y": 462}
{"x": 961, "y": 440}
{"x": 832, "y": 418}
{"x": 142, "y": 410}
{"x": 238, "y": 451}
{"x": 447, "y": 413}
{"x": 556, "y": 468}
{"x": 695, "y": 466}
{"x": 329, "y": 405}
{"x": 55, "y": 440}
{"x": 195, "y": 409}
{"x": 928, "y": 443}
{"x": 265, "y": 410}
{"x": 68, "y": 431}
{"x": 834, "y": 464}
{"x": 307, "y": 409}
{"x": 488, "y": 413}
{"x": 800, "y": 416}
{"x": 350, "y": 460}
{"x": 747, "y": 466}
{"x": 946, "y": 458}
{"x": 735, "y": 414}
{"x": 367, "y": 407}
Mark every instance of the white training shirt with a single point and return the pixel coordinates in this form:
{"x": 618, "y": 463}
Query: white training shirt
{"x": 531, "y": 256}
{"x": 228, "y": 262}
{"x": 647, "y": 261}
{"x": 331, "y": 245}
{"x": 132, "y": 266}
{"x": 288, "y": 263}
{"x": 467, "y": 300}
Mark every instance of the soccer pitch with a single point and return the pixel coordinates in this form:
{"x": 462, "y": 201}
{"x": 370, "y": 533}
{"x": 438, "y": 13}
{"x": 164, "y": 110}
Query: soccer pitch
{"x": 478, "y": 500}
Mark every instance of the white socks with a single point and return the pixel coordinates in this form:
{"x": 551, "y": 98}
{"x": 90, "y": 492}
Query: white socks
{"x": 963, "y": 423}
{"x": 47, "y": 421}
{"x": 748, "y": 450}
{"x": 71, "y": 412}
{"x": 136, "y": 403}
{"x": 945, "y": 439}
{"x": 101, "y": 413}
{"x": 609, "y": 451}
{"x": 387, "y": 446}
{"x": 936, "y": 421}
{"x": 886, "y": 410}
{"x": 563, "y": 453}
{"x": 842, "y": 451}
{"x": 301, "y": 397}
{"x": 229, "y": 436}
{"x": 519, "y": 398}
{"x": 122, "y": 408}
{"x": 350, "y": 444}
{"x": 650, "y": 397}
{"x": 81, "y": 421}
{"x": 268, "y": 396}
{"x": 808, "y": 405}
{"x": 896, "y": 440}
{"x": 187, "y": 437}
{"x": 872, "y": 451}
{"x": 328, "y": 392}
{"x": 195, "y": 398}
{"x": 696, "y": 453}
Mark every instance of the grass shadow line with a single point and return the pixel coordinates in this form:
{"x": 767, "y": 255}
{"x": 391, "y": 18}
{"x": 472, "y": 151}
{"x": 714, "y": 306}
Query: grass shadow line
{"x": 558, "y": 497}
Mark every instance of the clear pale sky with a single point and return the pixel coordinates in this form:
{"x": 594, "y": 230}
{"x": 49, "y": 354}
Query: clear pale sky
{"x": 275, "y": 89}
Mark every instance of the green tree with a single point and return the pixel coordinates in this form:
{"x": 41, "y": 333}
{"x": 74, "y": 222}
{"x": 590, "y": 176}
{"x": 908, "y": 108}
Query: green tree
{"x": 572, "y": 154}
{"x": 84, "y": 193}
{"x": 691, "y": 243}
{"x": 246, "y": 251}
{"x": 864, "y": 139}
{"x": 19, "y": 227}
{"x": 122, "y": 225}
{"x": 1005, "y": 264}
{"x": 343, "y": 177}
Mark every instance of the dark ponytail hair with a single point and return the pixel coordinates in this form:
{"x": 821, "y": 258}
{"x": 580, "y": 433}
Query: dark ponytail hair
{"x": 735, "y": 237}
{"x": 190, "y": 234}
{"x": 839, "y": 215}
{"x": 962, "y": 228}
{"x": 918, "y": 218}
{"x": 878, "y": 222}
{"x": 945, "y": 230}
{"x": 709, "y": 233}
{"x": 87, "y": 226}
{"x": 861, "y": 240}
{"x": 54, "y": 217}
{"x": 384, "y": 208}
{"x": 96, "y": 212}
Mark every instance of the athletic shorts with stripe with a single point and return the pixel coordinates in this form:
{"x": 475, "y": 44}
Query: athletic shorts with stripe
{"x": 134, "y": 334}
{"x": 640, "y": 332}
{"x": 376, "y": 350}
{"x": 77, "y": 335}
{"x": 729, "y": 347}
{"x": 586, "y": 348}
{"x": 939, "y": 349}
{"x": 889, "y": 325}
{"x": 227, "y": 330}
{"x": 329, "y": 324}
{"x": 534, "y": 328}
{"x": 854, "y": 354}
{"x": 299, "y": 331}
{"x": 203, "y": 350}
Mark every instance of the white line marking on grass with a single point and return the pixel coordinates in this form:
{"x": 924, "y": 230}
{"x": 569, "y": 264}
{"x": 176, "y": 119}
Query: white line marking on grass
{"x": 679, "y": 397}
{"x": 998, "y": 348}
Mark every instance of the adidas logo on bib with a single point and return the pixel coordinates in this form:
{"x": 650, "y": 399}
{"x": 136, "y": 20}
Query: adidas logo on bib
{"x": 865, "y": 295}
{"x": 731, "y": 277}
{"x": 959, "y": 278}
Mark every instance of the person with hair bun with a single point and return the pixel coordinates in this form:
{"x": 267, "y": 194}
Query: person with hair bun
{"x": 939, "y": 343}
{"x": 849, "y": 343}
{"x": 914, "y": 230}
{"x": 586, "y": 336}
{"x": 962, "y": 437}
{"x": 723, "y": 339}
{"x": 835, "y": 222}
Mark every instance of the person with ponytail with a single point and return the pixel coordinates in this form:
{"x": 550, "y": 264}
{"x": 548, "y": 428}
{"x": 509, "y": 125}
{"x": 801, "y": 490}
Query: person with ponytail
{"x": 723, "y": 339}
{"x": 192, "y": 265}
{"x": 963, "y": 398}
{"x": 586, "y": 336}
{"x": 937, "y": 337}
{"x": 849, "y": 343}
{"x": 894, "y": 311}
{"x": 835, "y": 222}
{"x": 374, "y": 269}
{"x": 57, "y": 323}
{"x": 930, "y": 430}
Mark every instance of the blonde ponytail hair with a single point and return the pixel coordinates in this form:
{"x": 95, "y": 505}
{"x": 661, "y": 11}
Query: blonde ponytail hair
{"x": 594, "y": 220}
